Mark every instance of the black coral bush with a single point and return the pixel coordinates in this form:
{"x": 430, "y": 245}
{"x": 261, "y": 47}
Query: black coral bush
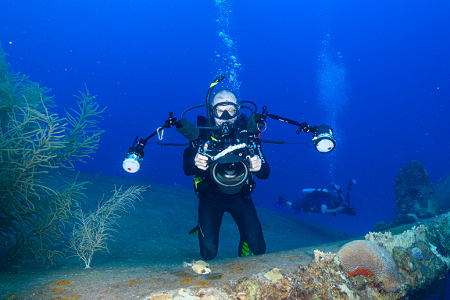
{"x": 34, "y": 144}
{"x": 94, "y": 229}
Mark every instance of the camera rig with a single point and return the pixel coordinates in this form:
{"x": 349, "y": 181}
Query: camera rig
{"x": 229, "y": 166}
{"x": 348, "y": 209}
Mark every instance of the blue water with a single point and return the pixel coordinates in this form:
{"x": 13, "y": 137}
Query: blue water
{"x": 377, "y": 71}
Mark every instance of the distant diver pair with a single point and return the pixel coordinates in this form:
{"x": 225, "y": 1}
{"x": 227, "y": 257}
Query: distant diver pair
{"x": 321, "y": 200}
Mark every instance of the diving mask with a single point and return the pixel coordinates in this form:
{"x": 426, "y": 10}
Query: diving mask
{"x": 225, "y": 110}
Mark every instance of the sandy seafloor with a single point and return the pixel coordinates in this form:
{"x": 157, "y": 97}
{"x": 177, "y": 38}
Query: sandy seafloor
{"x": 152, "y": 242}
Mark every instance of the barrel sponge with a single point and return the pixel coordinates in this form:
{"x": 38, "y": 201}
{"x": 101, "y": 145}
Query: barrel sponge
{"x": 371, "y": 256}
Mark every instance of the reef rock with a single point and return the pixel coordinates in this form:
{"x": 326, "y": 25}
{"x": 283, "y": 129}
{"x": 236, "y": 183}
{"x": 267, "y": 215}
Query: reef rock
{"x": 402, "y": 219}
{"x": 414, "y": 191}
{"x": 442, "y": 189}
{"x": 380, "y": 226}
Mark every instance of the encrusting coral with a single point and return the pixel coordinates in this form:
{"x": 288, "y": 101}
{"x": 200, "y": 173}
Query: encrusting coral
{"x": 405, "y": 240}
{"x": 362, "y": 270}
{"x": 367, "y": 255}
{"x": 274, "y": 275}
{"x": 320, "y": 256}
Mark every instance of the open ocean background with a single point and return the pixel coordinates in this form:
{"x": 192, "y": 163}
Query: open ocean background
{"x": 378, "y": 72}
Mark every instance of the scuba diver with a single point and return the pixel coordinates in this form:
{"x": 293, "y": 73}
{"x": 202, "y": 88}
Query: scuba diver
{"x": 322, "y": 201}
{"x": 223, "y": 155}
{"x": 223, "y": 191}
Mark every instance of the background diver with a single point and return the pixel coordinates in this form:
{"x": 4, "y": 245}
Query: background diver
{"x": 322, "y": 201}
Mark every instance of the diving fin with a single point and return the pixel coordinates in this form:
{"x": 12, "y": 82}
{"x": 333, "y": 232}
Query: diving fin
{"x": 194, "y": 230}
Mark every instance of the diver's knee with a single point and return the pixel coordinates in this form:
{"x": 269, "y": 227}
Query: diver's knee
{"x": 207, "y": 254}
{"x": 258, "y": 248}
{"x": 208, "y": 248}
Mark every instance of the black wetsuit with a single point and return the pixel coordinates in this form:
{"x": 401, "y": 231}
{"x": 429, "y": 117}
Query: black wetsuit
{"x": 214, "y": 202}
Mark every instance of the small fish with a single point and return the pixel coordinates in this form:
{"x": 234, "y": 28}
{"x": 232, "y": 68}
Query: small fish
{"x": 198, "y": 266}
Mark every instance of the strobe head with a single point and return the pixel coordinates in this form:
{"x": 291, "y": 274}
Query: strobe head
{"x": 132, "y": 162}
{"x": 323, "y": 139}
{"x": 134, "y": 157}
{"x": 230, "y": 173}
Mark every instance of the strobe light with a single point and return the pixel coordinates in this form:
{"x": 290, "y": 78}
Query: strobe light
{"x": 323, "y": 139}
{"x": 230, "y": 172}
{"x": 132, "y": 162}
{"x": 134, "y": 157}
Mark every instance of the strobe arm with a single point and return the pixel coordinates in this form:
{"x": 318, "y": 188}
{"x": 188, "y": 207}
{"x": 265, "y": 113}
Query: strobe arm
{"x": 323, "y": 138}
{"x": 349, "y": 188}
{"x": 301, "y": 126}
{"x": 172, "y": 121}
{"x": 135, "y": 154}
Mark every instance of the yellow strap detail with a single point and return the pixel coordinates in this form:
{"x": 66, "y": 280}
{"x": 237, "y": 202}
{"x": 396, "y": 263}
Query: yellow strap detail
{"x": 196, "y": 181}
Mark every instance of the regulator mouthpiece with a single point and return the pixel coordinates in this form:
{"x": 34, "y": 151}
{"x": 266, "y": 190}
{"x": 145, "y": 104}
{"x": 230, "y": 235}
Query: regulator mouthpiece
{"x": 225, "y": 128}
{"x": 323, "y": 139}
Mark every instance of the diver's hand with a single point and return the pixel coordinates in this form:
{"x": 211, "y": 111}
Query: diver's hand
{"x": 255, "y": 163}
{"x": 340, "y": 208}
{"x": 201, "y": 161}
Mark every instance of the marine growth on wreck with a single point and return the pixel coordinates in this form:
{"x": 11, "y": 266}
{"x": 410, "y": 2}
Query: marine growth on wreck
{"x": 386, "y": 265}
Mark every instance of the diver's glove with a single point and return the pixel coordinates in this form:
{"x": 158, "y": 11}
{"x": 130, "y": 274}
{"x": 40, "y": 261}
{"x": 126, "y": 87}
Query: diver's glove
{"x": 201, "y": 161}
{"x": 255, "y": 163}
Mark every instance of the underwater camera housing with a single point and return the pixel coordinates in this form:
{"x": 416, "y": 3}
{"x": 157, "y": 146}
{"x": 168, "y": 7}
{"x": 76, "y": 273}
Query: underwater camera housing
{"x": 348, "y": 210}
{"x": 229, "y": 168}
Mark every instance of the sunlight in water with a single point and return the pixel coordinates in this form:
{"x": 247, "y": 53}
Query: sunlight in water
{"x": 226, "y": 60}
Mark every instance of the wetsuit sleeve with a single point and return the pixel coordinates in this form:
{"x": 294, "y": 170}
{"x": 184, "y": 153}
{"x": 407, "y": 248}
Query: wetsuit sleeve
{"x": 264, "y": 172}
{"x": 189, "y": 160}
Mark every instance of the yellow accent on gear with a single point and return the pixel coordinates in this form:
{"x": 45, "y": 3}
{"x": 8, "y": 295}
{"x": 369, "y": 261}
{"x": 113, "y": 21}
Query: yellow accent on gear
{"x": 197, "y": 180}
{"x": 245, "y": 251}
